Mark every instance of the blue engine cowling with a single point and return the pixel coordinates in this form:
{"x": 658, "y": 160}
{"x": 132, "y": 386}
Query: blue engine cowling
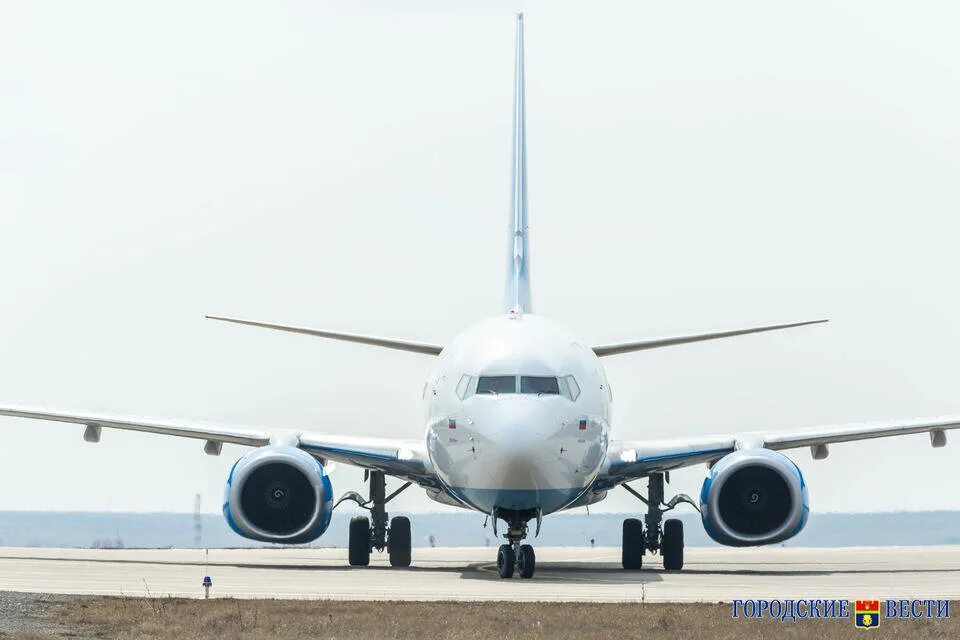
{"x": 754, "y": 497}
{"x": 278, "y": 494}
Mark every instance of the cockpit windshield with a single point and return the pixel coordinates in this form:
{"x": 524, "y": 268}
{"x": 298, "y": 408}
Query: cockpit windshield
{"x": 497, "y": 384}
{"x": 539, "y": 384}
{"x": 565, "y": 386}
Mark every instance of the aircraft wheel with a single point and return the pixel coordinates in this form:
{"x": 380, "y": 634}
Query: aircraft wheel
{"x": 672, "y": 546}
{"x": 527, "y": 561}
{"x": 633, "y": 544}
{"x": 506, "y": 560}
{"x": 398, "y": 541}
{"x": 359, "y": 545}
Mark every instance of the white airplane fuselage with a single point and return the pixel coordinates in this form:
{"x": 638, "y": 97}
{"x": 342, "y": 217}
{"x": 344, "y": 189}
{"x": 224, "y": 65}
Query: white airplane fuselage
{"x": 517, "y": 449}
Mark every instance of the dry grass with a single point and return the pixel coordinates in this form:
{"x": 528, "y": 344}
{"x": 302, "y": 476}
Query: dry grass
{"x": 179, "y": 619}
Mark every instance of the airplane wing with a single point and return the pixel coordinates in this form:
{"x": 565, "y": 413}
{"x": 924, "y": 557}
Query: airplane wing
{"x": 629, "y": 460}
{"x": 403, "y": 458}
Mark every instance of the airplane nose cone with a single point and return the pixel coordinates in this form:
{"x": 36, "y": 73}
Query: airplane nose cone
{"x": 523, "y": 459}
{"x": 518, "y": 423}
{"x": 518, "y": 452}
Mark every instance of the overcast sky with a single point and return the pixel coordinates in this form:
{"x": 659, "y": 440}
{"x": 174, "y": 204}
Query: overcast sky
{"x": 692, "y": 166}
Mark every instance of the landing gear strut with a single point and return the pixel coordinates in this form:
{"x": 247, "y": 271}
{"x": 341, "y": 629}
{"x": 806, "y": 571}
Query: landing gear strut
{"x": 515, "y": 556}
{"x": 366, "y": 536}
{"x": 667, "y": 539}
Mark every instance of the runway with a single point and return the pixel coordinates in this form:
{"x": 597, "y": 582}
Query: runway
{"x": 563, "y": 574}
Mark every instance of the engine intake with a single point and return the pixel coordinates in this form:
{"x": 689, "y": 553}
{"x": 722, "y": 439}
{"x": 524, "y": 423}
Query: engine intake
{"x": 278, "y": 494}
{"x": 754, "y": 497}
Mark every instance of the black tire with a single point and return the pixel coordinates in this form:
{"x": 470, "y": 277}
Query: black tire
{"x": 359, "y": 547}
{"x": 398, "y": 541}
{"x": 526, "y": 561}
{"x": 633, "y": 544}
{"x": 506, "y": 560}
{"x": 672, "y": 546}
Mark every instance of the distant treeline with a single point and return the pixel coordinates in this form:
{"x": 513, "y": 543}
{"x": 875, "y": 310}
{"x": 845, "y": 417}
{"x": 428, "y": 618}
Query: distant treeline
{"x": 117, "y": 530}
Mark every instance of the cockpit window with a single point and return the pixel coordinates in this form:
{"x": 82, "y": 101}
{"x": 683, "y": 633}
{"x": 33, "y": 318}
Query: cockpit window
{"x": 539, "y": 384}
{"x": 565, "y": 386}
{"x": 497, "y": 384}
{"x": 466, "y": 387}
{"x": 569, "y": 388}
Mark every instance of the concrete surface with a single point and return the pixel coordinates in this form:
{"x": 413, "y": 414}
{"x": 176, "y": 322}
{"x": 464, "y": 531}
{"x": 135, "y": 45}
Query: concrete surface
{"x": 563, "y": 574}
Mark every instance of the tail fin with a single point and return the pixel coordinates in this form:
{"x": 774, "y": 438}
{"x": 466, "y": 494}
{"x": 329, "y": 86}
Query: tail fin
{"x": 518, "y": 268}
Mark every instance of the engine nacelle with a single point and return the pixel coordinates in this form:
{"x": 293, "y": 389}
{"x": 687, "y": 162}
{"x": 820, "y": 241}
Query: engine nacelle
{"x": 278, "y": 494}
{"x": 754, "y": 497}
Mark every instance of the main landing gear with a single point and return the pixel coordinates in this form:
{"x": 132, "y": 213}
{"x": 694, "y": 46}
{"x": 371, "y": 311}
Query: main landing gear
{"x": 667, "y": 539}
{"x": 367, "y": 534}
{"x": 514, "y": 556}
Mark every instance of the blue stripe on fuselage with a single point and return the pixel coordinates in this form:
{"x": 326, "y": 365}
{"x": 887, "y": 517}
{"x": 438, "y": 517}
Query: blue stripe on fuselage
{"x": 547, "y": 500}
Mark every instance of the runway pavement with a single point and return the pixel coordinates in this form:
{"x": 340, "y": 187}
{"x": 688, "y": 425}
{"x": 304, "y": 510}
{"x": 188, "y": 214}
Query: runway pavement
{"x": 563, "y": 574}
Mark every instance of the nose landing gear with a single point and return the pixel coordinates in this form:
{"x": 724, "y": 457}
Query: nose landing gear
{"x": 667, "y": 539}
{"x": 515, "y": 556}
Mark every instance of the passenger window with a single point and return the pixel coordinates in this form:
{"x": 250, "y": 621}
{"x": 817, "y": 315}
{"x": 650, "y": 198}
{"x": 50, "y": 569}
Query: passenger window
{"x": 539, "y": 384}
{"x": 497, "y": 384}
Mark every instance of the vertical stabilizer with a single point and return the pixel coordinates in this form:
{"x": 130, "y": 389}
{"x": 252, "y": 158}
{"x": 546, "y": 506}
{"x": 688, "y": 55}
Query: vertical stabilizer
{"x": 518, "y": 269}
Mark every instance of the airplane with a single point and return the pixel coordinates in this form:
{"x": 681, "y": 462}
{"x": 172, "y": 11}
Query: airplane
{"x": 518, "y": 427}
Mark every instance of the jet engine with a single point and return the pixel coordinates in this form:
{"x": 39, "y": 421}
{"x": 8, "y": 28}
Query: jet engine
{"x": 278, "y": 494}
{"x": 754, "y": 497}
